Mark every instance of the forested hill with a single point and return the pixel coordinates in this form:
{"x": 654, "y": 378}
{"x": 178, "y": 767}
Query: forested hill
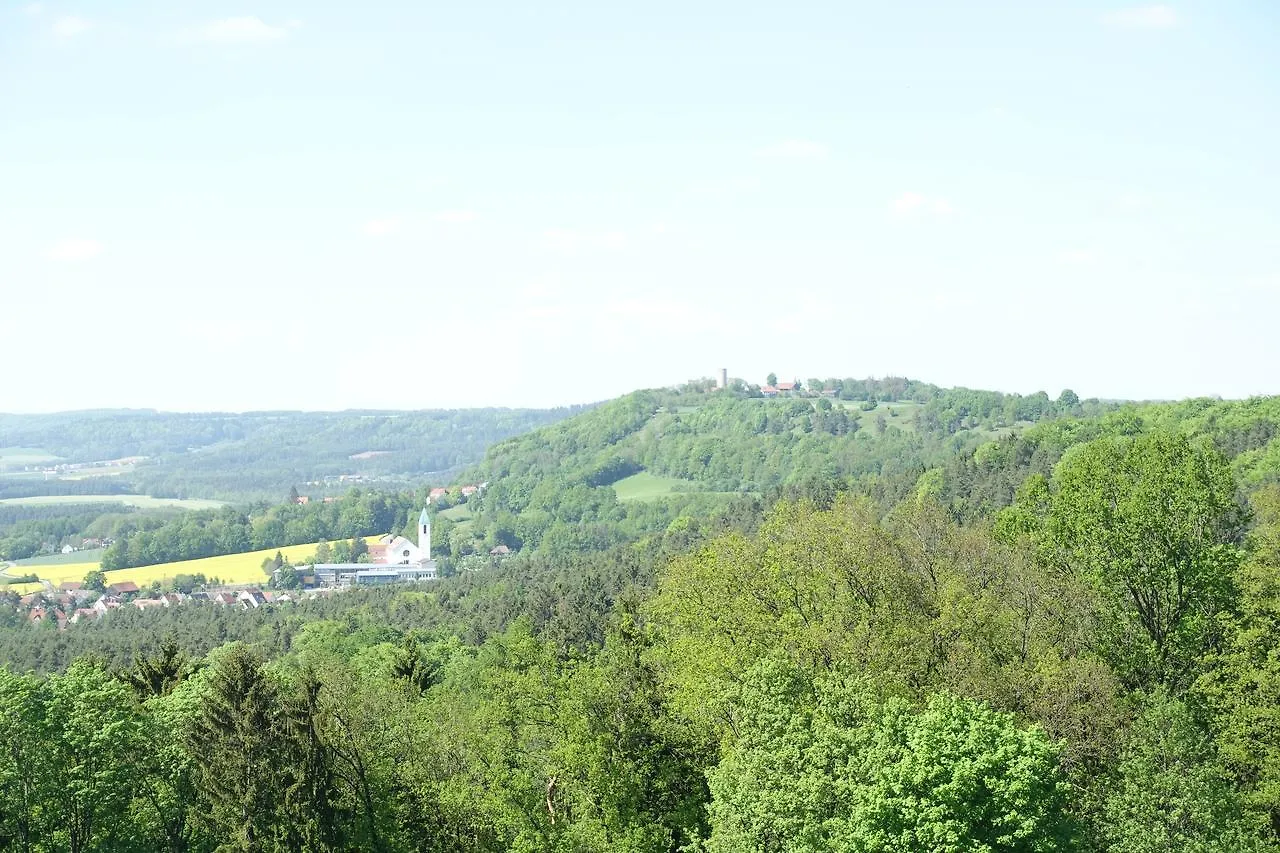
{"x": 633, "y": 465}
{"x": 239, "y": 457}
{"x": 664, "y": 461}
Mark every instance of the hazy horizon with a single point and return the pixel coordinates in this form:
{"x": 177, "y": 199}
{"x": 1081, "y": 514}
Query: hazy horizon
{"x": 1053, "y": 393}
{"x": 305, "y": 206}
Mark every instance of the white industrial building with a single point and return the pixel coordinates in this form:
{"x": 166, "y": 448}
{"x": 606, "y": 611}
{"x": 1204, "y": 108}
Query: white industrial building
{"x": 396, "y": 559}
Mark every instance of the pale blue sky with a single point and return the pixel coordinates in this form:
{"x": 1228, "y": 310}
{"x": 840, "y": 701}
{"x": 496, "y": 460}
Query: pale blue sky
{"x": 215, "y": 205}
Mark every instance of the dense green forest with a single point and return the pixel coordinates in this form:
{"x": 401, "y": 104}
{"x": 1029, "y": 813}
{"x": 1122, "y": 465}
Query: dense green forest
{"x": 953, "y": 633}
{"x": 256, "y": 455}
{"x": 1091, "y": 670}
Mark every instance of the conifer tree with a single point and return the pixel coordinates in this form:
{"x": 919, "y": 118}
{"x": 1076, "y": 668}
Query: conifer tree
{"x": 159, "y": 674}
{"x": 237, "y": 734}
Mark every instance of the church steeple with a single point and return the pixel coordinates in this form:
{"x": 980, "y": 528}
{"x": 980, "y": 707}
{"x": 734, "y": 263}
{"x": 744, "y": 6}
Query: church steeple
{"x": 424, "y": 534}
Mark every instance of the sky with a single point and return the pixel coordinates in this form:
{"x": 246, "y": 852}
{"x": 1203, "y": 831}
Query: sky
{"x": 265, "y": 204}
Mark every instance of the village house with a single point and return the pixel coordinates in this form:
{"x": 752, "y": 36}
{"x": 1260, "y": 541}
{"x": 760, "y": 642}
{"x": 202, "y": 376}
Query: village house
{"x": 84, "y": 613}
{"x": 75, "y": 593}
{"x": 39, "y": 615}
{"x": 466, "y": 491}
{"x": 106, "y": 604}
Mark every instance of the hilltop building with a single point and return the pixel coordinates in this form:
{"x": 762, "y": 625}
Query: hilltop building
{"x": 394, "y": 557}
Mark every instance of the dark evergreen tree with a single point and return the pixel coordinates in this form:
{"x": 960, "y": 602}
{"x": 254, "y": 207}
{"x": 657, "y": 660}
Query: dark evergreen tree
{"x": 238, "y": 735}
{"x": 158, "y": 674}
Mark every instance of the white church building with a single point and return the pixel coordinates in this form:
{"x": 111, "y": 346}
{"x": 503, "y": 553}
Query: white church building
{"x": 394, "y": 559}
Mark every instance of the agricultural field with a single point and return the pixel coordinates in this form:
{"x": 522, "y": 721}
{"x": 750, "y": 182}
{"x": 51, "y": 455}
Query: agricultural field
{"x": 139, "y": 501}
{"x": 645, "y": 486}
{"x": 20, "y": 456}
{"x": 229, "y": 569}
{"x": 89, "y": 555}
{"x": 98, "y": 471}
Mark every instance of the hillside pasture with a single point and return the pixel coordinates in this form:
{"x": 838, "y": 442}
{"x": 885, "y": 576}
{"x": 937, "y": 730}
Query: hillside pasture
{"x": 461, "y": 512}
{"x": 139, "y": 501}
{"x": 646, "y": 487}
{"x": 460, "y": 515}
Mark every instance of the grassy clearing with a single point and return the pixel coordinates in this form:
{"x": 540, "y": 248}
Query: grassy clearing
{"x": 461, "y": 512}
{"x": 902, "y": 407}
{"x": 645, "y": 486}
{"x": 139, "y": 501}
{"x": 25, "y": 456}
{"x": 895, "y": 414}
{"x": 460, "y": 515}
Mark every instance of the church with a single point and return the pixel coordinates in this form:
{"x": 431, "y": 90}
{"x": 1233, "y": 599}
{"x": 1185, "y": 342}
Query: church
{"x": 392, "y": 559}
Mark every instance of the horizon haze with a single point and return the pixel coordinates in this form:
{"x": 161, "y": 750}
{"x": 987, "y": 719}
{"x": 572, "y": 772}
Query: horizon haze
{"x": 304, "y": 206}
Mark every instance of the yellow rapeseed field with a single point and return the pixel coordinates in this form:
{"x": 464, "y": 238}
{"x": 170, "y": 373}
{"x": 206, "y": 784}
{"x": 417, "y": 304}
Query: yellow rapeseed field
{"x": 231, "y": 568}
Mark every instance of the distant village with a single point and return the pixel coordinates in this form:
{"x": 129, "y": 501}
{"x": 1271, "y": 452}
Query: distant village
{"x": 69, "y": 602}
{"x": 391, "y": 559}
